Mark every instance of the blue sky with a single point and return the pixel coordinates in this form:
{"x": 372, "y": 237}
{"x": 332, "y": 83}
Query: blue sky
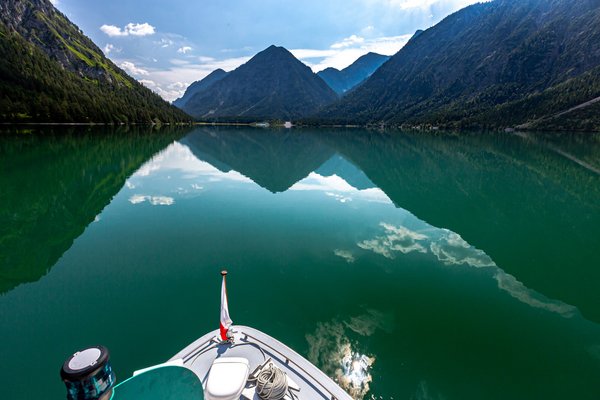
{"x": 168, "y": 44}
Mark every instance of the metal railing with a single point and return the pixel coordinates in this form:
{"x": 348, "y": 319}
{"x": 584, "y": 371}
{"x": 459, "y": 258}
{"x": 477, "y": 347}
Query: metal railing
{"x": 288, "y": 361}
{"x": 205, "y": 346}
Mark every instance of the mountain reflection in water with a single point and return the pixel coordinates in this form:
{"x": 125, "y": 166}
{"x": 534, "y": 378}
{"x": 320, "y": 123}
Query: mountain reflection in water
{"x": 487, "y": 187}
{"x": 423, "y": 265}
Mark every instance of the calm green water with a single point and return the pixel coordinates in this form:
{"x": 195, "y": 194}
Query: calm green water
{"x": 448, "y": 266}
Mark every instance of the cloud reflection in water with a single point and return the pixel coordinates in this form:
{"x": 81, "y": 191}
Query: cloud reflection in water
{"x": 396, "y": 239}
{"x": 451, "y": 249}
{"x": 154, "y": 200}
{"x": 331, "y": 348}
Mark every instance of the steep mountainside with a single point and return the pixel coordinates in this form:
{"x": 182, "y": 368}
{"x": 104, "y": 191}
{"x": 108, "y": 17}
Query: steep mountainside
{"x": 200, "y": 86}
{"x": 350, "y": 77}
{"x": 51, "y": 72}
{"x": 272, "y": 85}
{"x": 501, "y": 63}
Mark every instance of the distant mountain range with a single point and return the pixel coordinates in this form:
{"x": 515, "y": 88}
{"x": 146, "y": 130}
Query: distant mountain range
{"x": 272, "y": 85}
{"x": 350, "y": 77}
{"x": 506, "y": 63}
{"x": 527, "y": 63}
{"x": 51, "y": 72}
{"x": 275, "y": 92}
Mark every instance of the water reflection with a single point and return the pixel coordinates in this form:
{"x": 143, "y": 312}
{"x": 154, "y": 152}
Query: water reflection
{"x": 452, "y": 251}
{"x": 55, "y": 182}
{"x": 271, "y": 159}
{"x": 481, "y": 248}
{"x": 332, "y": 348}
{"x": 488, "y": 188}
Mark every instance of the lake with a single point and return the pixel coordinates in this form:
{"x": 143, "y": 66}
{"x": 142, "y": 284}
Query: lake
{"x": 407, "y": 265}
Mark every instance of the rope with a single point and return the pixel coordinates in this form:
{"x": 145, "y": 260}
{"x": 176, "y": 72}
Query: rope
{"x": 271, "y": 383}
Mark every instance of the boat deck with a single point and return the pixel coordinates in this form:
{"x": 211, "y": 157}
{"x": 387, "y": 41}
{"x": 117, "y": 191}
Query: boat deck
{"x": 305, "y": 380}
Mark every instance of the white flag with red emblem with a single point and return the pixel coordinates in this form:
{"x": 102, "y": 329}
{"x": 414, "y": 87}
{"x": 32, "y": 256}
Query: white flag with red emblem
{"x": 225, "y": 319}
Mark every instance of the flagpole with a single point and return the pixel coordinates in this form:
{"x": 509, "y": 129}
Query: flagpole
{"x": 225, "y": 320}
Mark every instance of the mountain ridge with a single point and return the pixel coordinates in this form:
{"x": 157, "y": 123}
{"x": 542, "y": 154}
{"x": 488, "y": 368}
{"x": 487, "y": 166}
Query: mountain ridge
{"x": 272, "y": 85}
{"x": 343, "y": 81}
{"x": 500, "y": 52}
{"x": 51, "y": 72}
{"x": 200, "y": 86}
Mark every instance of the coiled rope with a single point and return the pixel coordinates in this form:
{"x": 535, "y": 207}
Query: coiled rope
{"x": 271, "y": 383}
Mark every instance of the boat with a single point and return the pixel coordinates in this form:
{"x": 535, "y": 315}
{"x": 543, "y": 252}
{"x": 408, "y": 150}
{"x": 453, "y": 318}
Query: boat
{"x": 233, "y": 362}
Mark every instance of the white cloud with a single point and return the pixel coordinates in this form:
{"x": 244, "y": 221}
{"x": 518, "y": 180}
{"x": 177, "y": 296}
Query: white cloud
{"x": 330, "y": 348}
{"x": 178, "y": 157}
{"x": 133, "y": 69}
{"x": 112, "y": 30}
{"x": 164, "y": 43}
{"x": 350, "y": 41}
{"x": 345, "y": 254}
{"x": 344, "y": 52}
{"x": 177, "y": 86}
{"x": 204, "y": 59}
{"x": 326, "y": 184}
{"x": 396, "y": 239}
{"x": 55, "y": 2}
{"x": 171, "y": 83}
{"x": 525, "y": 295}
{"x": 154, "y": 200}
{"x": 110, "y": 48}
{"x": 176, "y": 61}
{"x": 423, "y": 5}
{"x": 184, "y": 49}
{"x": 451, "y": 249}
{"x": 304, "y": 54}
{"x": 339, "y": 197}
{"x": 144, "y": 29}
{"x": 337, "y": 188}
{"x": 131, "y": 28}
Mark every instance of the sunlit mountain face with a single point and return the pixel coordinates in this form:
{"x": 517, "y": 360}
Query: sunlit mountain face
{"x": 404, "y": 265}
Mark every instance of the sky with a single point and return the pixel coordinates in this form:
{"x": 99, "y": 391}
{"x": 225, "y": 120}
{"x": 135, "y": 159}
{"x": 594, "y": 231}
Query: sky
{"x": 169, "y": 44}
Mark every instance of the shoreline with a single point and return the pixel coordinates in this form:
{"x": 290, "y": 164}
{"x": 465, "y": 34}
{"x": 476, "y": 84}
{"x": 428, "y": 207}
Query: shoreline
{"x": 269, "y": 125}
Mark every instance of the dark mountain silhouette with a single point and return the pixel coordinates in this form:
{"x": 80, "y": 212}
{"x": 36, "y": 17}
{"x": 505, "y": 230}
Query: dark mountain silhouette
{"x": 464, "y": 183}
{"x": 273, "y": 159}
{"x": 200, "y": 86}
{"x": 47, "y": 204}
{"x": 272, "y": 85}
{"x": 345, "y": 80}
{"x": 51, "y": 72}
{"x": 499, "y": 63}
{"x": 339, "y": 166}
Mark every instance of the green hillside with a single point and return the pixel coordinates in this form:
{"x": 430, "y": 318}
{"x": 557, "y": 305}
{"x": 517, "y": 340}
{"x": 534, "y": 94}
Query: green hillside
{"x": 495, "y": 64}
{"x": 51, "y": 72}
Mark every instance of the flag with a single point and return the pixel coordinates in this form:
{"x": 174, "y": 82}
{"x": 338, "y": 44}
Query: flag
{"x": 225, "y": 319}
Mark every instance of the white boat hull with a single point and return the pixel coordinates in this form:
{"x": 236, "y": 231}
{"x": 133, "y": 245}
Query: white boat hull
{"x": 305, "y": 380}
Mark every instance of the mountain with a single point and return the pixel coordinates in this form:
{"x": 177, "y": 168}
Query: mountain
{"x": 200, "y": 86}
{"x": 348, "y": 78}
{"x": 493, "y": 64}
{"x": 273, "y": 159}
{"x": 51, "y": 72}
{"x": 272, "y": 85}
